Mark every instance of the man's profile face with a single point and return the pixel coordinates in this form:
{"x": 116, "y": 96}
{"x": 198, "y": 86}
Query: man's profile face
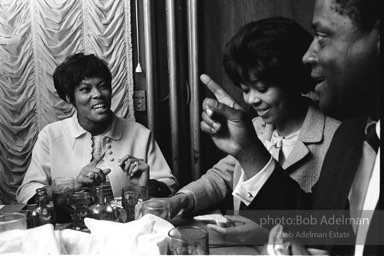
{"x": 344, "y": 61}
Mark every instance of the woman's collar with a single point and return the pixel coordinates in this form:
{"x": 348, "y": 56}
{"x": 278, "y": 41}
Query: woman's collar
{"x": 114, "y": 131}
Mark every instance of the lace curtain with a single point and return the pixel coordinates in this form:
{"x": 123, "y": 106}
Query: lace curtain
{"x": 36, "y": 36}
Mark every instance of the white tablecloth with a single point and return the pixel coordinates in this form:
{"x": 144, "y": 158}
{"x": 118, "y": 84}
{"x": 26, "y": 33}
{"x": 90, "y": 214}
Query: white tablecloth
{"x": 146, "y": 236}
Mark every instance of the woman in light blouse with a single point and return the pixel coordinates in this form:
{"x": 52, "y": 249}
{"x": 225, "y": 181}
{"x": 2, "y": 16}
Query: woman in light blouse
{"x": 94, "y": 146}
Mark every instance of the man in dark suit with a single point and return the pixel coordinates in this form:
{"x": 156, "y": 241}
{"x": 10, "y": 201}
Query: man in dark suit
{"x": 345, "y": 60}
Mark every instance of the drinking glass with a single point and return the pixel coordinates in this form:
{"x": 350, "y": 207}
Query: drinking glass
{"x": 129, "y": 200}
{"x": 120, "y": 214}
{"x": 12, "y": 220}
{"x": 78, "y": 204}
{"x": 132, "y": 205}
{"x": 61, "y": 187}
{"x": 143, "y": 191}
{"x": 157, "y": 207}
{"x": 188, "y": 240}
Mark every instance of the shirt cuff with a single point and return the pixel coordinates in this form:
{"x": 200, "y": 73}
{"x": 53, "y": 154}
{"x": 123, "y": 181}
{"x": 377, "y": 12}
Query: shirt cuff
{"x": 246, "y": 190}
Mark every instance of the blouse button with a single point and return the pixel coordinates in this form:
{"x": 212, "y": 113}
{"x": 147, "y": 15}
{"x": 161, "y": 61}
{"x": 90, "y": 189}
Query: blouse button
{"x": 109, "y": 145}
{"x": 108, "y": 140}
{"x": 110, "y": 152}
{"x": 111, "y": 159}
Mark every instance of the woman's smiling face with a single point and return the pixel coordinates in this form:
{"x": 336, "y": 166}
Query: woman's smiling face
{"x": 270, "y": 102}
{"x": 93, "y": 101}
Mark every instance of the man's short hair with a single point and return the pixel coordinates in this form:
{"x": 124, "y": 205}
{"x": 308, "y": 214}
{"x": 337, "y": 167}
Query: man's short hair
{"x": 363, "y": 13}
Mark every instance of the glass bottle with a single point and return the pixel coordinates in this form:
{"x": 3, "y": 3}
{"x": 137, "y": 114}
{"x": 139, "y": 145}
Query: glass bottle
{"x": 32, "y": 216}
{"x": 101, "y": 210}
{"x": 42, "y": 213}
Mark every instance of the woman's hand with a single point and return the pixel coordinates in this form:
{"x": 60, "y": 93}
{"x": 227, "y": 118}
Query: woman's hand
{"x": 90, "y": 174}
{"x": 244, "y": 231}
{"x": 136, "y": 169}
{"x": 225, "y": 120}
{"x": 232, "y": 130}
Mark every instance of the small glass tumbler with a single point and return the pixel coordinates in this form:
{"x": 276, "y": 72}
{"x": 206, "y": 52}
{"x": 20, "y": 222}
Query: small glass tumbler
{"x": 157, "y": 207}
{"x": 78, "y": 204}
{"x": 129, "y": 200}
{"x": 120, "y": 214}
{"x": 61, "y": 187}
{"x": 188, "y": 240}
{"x": 141, "y": 190}
{"x": 14, "y": 220}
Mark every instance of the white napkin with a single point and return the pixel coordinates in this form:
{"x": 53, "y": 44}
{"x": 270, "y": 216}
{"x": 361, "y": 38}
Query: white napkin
{"x": 38, "y": 241}
{"x": 145, "y": 236}
{"x": 73, "y": 242}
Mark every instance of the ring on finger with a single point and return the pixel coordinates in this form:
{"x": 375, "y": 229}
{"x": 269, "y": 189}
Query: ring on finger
{"x": 135, "y": 164}
{"x": 91, "y": 175}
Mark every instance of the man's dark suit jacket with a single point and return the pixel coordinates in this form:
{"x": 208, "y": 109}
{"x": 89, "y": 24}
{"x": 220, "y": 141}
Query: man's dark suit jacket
{"x": 281, "y": 192}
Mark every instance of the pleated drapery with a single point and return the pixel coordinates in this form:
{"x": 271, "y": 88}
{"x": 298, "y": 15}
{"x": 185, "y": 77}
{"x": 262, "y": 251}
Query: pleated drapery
{"x": 36, "y": 36}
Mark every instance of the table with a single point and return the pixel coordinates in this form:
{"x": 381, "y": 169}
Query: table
{"x": 217, "y": 242}
{"x": 218, "y": 245}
